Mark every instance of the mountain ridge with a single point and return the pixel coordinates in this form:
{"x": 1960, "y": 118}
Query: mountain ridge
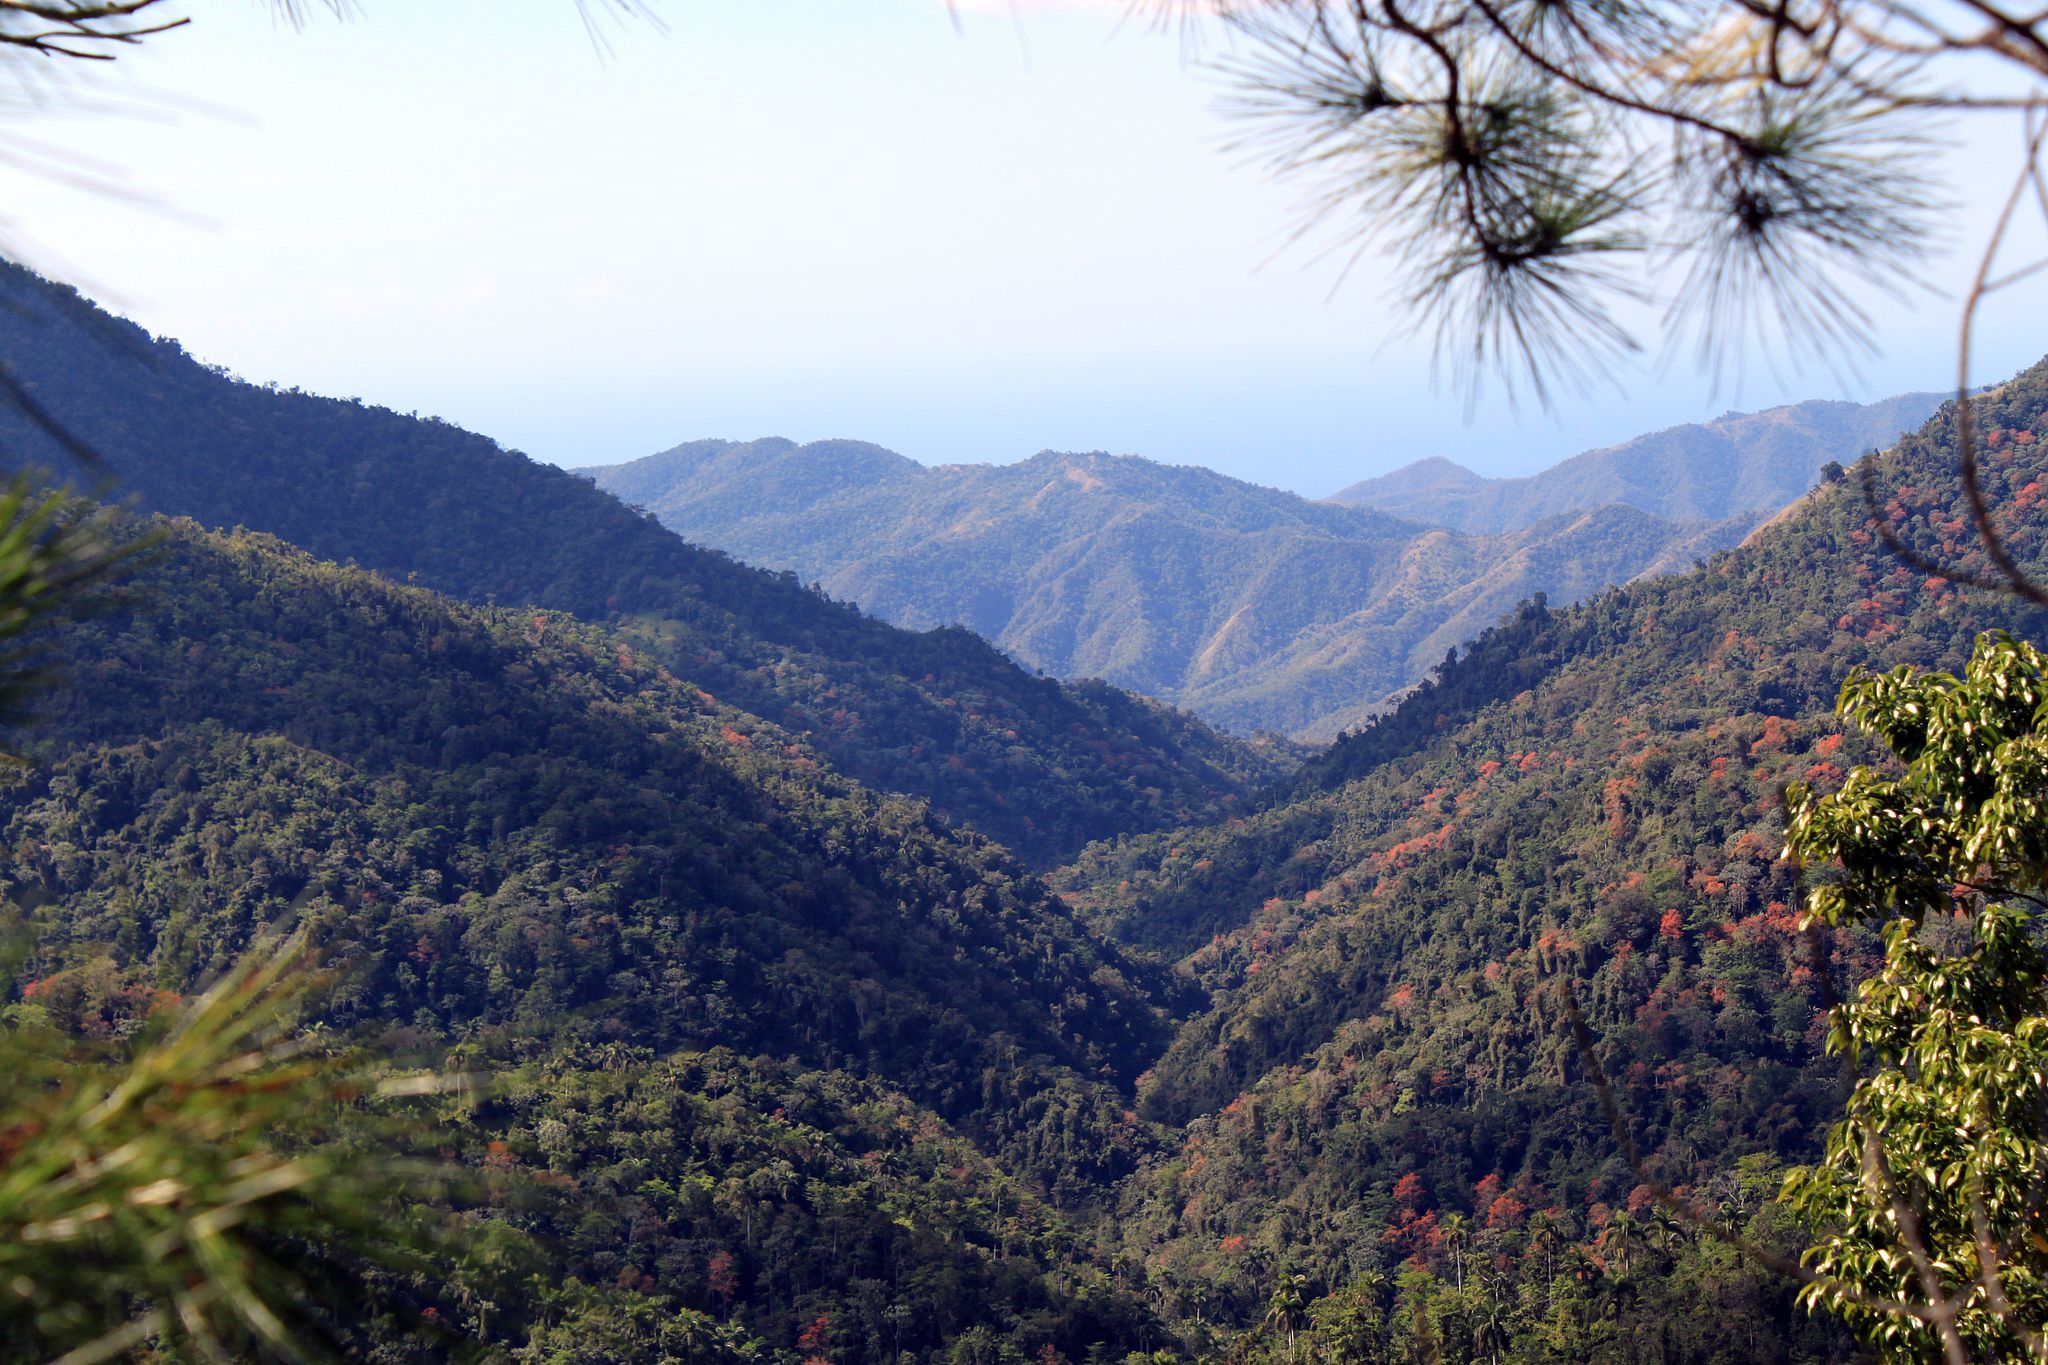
{"x": 1251, "y": 606}
{"x": 857, "y": 1042}
{"x": 802, "y": 1067}
{"x": 938, "y": 714}
{"x": 1738, "y": 464}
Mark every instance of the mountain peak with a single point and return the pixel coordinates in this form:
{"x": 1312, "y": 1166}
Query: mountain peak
{"x": 773, "y": 472}
{"x": 1417, "y": 479}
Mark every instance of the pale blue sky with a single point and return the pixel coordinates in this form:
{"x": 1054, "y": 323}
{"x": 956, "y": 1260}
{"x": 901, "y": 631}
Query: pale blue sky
{"x": 810, "y": 218}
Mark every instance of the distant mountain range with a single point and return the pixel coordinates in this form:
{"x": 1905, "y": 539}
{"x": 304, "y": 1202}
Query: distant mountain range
{"x": 1255, "y": 608}
{"x": 940, "y": 716}
{"x": 1737, "y": 465}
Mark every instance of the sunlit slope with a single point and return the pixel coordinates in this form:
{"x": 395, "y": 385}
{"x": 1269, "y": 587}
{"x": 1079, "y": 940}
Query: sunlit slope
{"x": 1253, "y": 607}
{"x": 1388, "y": 947}
{"x": 942, "y": 715}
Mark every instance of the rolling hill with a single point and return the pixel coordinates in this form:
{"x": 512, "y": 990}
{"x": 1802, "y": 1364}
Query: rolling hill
{"x": 789, "y": 1064}
{"x": 802, "y": 1038}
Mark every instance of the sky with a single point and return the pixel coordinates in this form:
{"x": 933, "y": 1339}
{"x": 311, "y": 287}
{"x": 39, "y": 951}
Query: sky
{"x": 966, "y": 236}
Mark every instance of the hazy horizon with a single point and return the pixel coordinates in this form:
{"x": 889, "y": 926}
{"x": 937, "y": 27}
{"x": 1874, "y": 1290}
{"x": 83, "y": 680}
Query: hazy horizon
{"x": 810, "y": 219}
{"x": 1316, "y": 495}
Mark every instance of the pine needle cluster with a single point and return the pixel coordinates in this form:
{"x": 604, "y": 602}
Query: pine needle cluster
{"x": 1550, "y": 175}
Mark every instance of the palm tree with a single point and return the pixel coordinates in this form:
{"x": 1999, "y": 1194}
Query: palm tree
{"x": 1494, "y": 1332}
{"x": 1546, "y": 1234}
{"x": 1457, "y": 1232}
{"x": 1288, "y": 1308}
{"x": 695, "y": 1332}
{"x": 1623, "y": 1235}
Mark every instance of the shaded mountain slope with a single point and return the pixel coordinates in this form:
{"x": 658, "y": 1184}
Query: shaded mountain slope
{"x": 1738, "y": 465}
{"x": 1387, "y": 1041}
{"x": 1252, "y": 607}
{"x": 743, "y": 1016}
{"x": 523, "y": 828}
{"x": 686, "y": 1201}
{"x": 940, "y": 715}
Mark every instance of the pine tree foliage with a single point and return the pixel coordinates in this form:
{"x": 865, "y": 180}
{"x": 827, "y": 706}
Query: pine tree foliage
{"x": 218, "y": 1185}
{"x": 57, "y": 550}
{"x": 169, "y": 1192}
{"x": 1543, "y": 169}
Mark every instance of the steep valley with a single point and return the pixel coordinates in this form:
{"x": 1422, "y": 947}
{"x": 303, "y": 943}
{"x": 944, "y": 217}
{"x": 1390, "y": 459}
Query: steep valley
{"x": 850, "y": 994}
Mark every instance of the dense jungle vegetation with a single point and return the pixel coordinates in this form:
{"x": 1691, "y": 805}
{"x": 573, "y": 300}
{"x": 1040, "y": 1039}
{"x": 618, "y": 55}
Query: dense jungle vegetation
{"x": 1386, "y": 1057}
{"x": 528, "y": 851}
{"x": 793, "y": 1063}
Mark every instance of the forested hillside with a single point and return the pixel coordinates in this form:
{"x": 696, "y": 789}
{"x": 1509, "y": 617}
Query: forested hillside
{"x": 1742, "y": 464}
{"x": 939, "y": 715}
{"x": 1385, "y": 1076}
{"x": 786, "y": 1066}
{"x": 1252, "y": 607}
{"x": 533, "y": 829}
{"x": 828, "y": 1058}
